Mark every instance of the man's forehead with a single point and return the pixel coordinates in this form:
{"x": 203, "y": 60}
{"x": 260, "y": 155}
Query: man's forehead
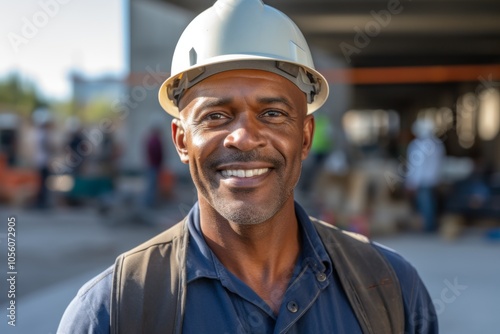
{"x": 242, "y": 78}
{"x": 244, "y": 74}
{"x": 222, "y": 87}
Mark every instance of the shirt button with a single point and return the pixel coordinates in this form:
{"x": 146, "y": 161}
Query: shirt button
{"x": 292, "y": 306}
{"x": 321, "y": 277}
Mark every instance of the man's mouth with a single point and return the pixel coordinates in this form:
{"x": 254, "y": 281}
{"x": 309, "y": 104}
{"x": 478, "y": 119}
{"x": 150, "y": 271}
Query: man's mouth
{"x": 244, "y": 172}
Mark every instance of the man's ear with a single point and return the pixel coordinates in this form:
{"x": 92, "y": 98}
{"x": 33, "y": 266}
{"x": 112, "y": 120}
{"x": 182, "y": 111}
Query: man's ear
{"x": 307, "y": 136}
{"x": 179, "y": 139}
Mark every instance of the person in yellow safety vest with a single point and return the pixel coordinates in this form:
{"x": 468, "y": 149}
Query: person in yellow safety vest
{"x": 320, "y": 149}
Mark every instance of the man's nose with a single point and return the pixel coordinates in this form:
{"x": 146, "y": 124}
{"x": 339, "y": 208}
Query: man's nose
{"x": 245, "y": 134}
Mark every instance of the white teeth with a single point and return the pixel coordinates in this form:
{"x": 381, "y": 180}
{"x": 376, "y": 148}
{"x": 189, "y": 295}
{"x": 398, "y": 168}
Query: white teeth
{"x": 243, "y": 173}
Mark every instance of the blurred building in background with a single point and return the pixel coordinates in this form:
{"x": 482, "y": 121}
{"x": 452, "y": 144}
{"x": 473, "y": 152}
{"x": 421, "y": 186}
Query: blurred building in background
{"x": 154, "y": 29}
{"x": 86, "y": 90}
{"x": 400, "y": 60}
{"x": 389, "y": 63}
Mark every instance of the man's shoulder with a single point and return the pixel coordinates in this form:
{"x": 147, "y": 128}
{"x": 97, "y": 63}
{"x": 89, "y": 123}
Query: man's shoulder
{"x": 419, "y": 308}
{"x": 402, "y": 268}
{"x": 104, "y": 279}
{"x": 101, "y": 282}
{"x": 350, "y": 242}
{"x": 89, "y": 310}
{"x": 163, "y": 239}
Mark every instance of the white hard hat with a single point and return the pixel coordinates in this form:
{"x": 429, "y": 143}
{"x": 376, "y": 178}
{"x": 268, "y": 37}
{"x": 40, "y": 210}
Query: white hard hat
{"x": 242, "y": 34}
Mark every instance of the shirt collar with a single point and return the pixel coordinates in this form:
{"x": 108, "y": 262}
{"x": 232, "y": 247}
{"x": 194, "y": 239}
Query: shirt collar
{"x": 200, "y": 259}
{"x": 313, "y": 252}
{"x": 201, "y": 262}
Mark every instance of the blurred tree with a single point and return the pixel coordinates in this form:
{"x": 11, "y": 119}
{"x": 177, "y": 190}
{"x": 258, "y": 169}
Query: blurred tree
{"x": 65, "y": 108}
{"x": 19, "y": 96}
{"x": 95, "y": 110}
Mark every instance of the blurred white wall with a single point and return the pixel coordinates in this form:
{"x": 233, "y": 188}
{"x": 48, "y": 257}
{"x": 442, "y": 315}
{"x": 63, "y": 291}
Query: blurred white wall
{"x": 154, "y": 30}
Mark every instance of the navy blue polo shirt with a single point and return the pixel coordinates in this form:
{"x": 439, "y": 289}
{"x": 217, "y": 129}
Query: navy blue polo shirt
{"x": 218, "y": 302}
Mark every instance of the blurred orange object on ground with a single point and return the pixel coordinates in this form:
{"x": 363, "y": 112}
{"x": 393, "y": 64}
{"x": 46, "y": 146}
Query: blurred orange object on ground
{"x": 17, "y": 186}
{"x": 166, "y": 181}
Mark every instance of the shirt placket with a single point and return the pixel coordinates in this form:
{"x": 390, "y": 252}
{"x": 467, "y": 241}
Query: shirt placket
{"x": 301, "y": 295}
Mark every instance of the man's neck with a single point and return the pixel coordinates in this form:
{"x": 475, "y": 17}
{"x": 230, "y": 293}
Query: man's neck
{"x": 261, "y": 255}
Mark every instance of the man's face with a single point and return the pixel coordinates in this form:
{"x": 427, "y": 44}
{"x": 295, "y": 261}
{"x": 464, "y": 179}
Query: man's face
{"x": 244, "y": 135}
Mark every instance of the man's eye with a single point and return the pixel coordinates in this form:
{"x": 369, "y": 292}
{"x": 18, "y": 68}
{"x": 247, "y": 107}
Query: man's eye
{"x": 273, "y": 113}
{"x": 215, "y": 117}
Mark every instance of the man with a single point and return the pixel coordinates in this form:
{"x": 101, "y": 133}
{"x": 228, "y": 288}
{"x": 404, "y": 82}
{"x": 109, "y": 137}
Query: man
{"x": 247, "y": 258}
{"x": 425, "y": 159}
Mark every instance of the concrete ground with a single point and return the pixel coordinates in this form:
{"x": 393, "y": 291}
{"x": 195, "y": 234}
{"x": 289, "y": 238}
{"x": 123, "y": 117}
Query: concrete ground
{"x": 60, "y": 249}
{"x": 462, "y": 278}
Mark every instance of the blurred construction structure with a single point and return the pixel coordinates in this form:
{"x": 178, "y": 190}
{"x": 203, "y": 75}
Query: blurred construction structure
{"x": 389, "y": 63}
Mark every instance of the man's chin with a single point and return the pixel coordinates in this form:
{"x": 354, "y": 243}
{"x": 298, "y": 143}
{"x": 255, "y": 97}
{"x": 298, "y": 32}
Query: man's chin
{"x": 244, "y": 212}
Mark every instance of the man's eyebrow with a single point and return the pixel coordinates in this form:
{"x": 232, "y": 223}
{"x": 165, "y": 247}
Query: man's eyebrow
{"x": 272, "y": 100}
{"x": 214, "y": 102}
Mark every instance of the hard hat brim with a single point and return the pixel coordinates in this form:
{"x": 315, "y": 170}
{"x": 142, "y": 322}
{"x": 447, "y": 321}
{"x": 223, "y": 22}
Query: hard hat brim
{"x": 169, "y": 106}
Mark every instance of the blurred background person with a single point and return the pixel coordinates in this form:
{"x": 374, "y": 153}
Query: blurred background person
{"x": 109, "y": 153}
{"x": 44, "y": 150}
{"x": 321, "y": 147}
{"x": 154, "y": 157}
{"x": 74, "y": 141}
{"x": 425, "y": 157}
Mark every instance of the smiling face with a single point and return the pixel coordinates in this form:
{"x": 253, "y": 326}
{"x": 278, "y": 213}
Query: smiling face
{"x": 244, "y": 134}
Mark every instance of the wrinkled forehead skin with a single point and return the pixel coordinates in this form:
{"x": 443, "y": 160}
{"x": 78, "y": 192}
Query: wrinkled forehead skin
{"x": 242, "y": 78}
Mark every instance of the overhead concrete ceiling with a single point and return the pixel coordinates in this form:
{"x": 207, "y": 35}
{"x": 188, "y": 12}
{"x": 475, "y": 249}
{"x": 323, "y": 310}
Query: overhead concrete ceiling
{"x": 416, "y": 32}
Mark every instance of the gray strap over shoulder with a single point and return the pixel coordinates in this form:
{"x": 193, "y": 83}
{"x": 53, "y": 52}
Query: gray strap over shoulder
{"x": 148, "y": 294}
{"x": 368, "y": 279}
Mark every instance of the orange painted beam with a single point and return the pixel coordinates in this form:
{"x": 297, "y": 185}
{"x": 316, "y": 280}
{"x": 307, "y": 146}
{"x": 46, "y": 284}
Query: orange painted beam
{"x": 413, "y": 74}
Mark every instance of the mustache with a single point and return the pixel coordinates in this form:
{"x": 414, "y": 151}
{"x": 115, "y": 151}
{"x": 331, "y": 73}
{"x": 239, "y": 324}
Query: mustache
{"x": 238, "y": 156}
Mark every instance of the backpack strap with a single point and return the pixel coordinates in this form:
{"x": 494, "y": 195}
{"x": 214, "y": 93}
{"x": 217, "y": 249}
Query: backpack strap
{"x": 152, "y": 277}
{"x": 368, "y": 279}
{"x": 149, "y": 282}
